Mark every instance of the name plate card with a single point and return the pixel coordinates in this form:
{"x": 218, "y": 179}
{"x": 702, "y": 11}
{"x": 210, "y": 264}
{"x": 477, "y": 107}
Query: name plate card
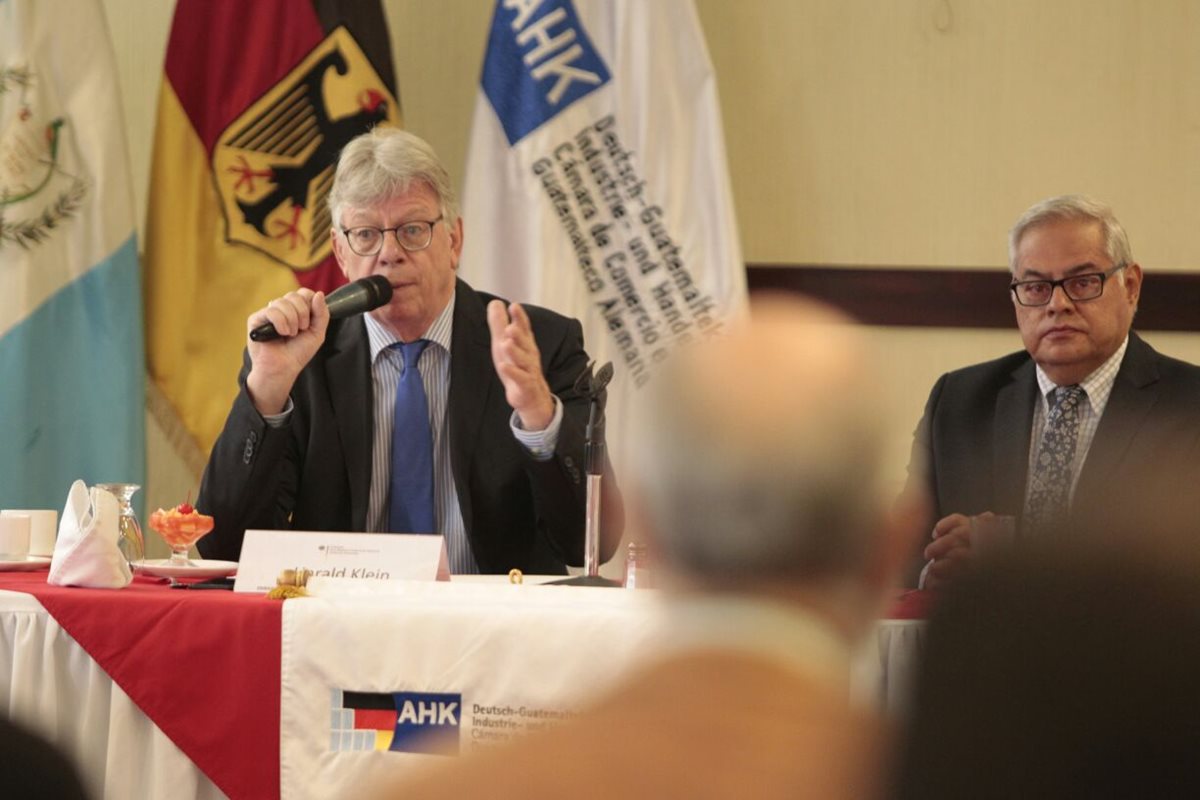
{"x": 356, "y": 556}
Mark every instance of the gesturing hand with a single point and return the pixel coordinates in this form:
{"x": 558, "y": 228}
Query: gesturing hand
{"x": 519, "y": 365}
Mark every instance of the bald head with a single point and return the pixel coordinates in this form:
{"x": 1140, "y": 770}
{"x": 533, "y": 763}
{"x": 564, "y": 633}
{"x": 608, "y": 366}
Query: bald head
{"x": 759, "y": 453}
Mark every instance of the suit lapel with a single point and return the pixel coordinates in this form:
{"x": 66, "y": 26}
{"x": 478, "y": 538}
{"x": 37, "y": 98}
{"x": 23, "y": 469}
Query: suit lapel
{"x": 1134, "y": 393}
{"x": 470, "y": 390}
{"x": 1011, "y": 430}
{"x": 348, "y": 376}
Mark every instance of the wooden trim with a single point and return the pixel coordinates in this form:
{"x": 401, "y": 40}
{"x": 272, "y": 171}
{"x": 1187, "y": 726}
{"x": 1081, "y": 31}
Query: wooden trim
{"x": 957, "y": 298}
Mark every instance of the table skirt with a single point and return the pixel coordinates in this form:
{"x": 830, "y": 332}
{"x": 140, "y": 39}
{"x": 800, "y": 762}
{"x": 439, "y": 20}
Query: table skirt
{"x": 52, "y": 686}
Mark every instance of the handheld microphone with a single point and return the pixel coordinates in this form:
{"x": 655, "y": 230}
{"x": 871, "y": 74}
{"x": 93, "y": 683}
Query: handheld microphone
{"x": 362, "y": 295}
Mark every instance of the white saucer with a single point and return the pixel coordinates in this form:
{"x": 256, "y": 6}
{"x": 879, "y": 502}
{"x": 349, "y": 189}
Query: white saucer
{"x": 26, "y": 564}
{"x": 198, "y": 568}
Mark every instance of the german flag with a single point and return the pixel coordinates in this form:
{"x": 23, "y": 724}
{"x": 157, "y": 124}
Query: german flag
{"x": 375, "y": 713}
{"x": 256, "y": 103}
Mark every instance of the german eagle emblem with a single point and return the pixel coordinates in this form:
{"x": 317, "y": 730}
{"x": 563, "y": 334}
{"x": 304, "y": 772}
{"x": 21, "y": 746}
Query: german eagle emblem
{"x": 273, "y": 166}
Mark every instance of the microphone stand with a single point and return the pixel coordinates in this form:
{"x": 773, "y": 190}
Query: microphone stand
{"x": 594, "y": 449}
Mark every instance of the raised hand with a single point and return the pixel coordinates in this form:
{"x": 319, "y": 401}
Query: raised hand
{"x": 519, "y": 364}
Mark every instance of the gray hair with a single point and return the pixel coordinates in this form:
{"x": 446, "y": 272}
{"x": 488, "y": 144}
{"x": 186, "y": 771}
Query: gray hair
{"x": 790, "y": 488}
{"x": 1073, "y": 207}
{"x": 384, "y": 163}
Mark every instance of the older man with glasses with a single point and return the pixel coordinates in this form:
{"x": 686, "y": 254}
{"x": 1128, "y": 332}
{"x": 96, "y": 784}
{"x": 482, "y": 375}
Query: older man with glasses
{"x": 444, "y": 411}
{"x": 1054, "y": 436}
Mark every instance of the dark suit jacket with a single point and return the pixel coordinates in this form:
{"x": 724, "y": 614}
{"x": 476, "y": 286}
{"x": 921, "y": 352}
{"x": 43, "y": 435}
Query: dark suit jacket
{"x": 314, "y": 473}
{"x": 971, "y": 449}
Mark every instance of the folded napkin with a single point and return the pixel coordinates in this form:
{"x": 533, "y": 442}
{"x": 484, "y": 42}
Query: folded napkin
{"x": 86, "y": 553}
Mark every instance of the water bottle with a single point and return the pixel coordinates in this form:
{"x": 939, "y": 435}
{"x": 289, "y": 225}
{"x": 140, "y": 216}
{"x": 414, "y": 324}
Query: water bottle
{"x": 637, "y": 566}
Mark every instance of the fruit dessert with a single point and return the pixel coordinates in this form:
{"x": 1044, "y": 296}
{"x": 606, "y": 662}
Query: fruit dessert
{"x": 180, "y": 526}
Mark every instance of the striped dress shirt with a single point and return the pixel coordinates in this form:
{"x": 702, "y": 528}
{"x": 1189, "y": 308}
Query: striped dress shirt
{"x": 386, "y": 368}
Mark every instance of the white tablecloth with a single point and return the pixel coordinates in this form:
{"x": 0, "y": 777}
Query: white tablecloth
{"x": 889, "y": 663}
{"x": 50, "y": 684}
{"x": 438, "y": 638}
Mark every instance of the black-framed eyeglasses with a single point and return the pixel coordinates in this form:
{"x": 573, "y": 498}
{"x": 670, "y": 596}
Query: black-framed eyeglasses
{"x": 1087, "y": 286}
{"x": 367, "y": 240}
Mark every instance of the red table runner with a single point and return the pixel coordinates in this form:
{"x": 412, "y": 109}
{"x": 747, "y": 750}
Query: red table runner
{"x": 911, "y": 604}
{"x": 202, "y": 665}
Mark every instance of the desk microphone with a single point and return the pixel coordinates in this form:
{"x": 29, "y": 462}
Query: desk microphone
{"x": 593, "y": 385}
{"x": 363, "y": 295}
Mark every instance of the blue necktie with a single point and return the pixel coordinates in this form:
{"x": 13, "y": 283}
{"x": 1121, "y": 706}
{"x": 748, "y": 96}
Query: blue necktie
{"x": 410, "y": 505}
{"x": 1050, "y": 489}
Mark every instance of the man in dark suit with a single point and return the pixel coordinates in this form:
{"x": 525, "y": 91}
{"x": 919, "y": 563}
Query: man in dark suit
{"x": 318, "y": 437}
{"x": 1053, "y": 436}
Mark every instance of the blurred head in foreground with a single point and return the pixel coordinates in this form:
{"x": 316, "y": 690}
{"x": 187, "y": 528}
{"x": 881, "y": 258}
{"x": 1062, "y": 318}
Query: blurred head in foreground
{"x": 758, "y": 464}
{"x": 31, "y": 768}
{"x": 1063, "y": 673}
{"x": 758, "y": 475}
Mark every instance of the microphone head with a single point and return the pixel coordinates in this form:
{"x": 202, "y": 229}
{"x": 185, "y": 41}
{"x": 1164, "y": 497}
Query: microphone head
{"x": 603, "y": 376}
{"x": 378, "y": 289}
{"x": 364, "y": 294}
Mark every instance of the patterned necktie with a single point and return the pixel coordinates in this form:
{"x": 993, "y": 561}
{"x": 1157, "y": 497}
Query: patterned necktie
{"x": 1050, "y": 487}
{"x": 410, "y": 504}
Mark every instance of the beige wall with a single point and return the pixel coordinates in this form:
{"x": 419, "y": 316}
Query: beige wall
{"x": 914, "y": 131}
{"x": 865, "y": 132}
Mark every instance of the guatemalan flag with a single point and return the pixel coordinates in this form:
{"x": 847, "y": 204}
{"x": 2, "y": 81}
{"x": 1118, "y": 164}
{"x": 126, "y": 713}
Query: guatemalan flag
{"x": 596, "y": 179}
{"x": 71, "y": 356}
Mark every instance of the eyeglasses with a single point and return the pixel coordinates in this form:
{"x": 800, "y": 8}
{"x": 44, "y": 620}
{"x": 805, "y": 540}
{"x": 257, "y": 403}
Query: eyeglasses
{"x": 367, "y": 240}
{"x": 1087, "y": 286}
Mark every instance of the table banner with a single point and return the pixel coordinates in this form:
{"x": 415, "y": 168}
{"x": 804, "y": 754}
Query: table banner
{"x": 467, "y": 666}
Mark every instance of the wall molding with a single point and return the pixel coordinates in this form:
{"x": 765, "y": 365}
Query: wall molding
{"x": 957, "y": 298}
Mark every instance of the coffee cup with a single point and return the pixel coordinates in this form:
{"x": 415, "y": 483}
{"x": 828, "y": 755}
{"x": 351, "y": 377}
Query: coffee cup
{"x": 43, "y": 529}
{"x": 14, "y": 537}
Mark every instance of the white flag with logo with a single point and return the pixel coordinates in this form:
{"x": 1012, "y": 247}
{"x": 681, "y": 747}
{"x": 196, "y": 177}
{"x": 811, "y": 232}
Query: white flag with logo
{"x": 71, "y": 356}
{"x": 596, "y": 180}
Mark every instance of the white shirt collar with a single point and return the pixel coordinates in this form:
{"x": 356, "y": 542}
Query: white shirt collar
{"x": 1098, "y": 385}
{"x": 380, "y": 338}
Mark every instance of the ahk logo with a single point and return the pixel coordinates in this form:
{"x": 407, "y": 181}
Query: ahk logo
{"x": 410, "y": 722}
{"x": 426, "y": 722}
{"x": 539, "y": 61}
